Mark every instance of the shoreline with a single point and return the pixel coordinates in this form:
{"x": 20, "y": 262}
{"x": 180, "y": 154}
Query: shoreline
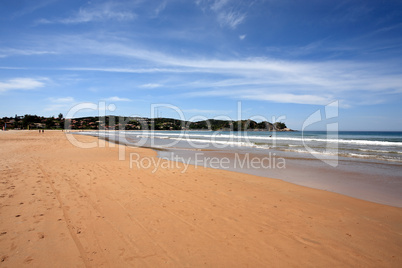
{"x": 351, "y": 177}
{"x": 88, "y": 208}
{"x": 310, "y": 173}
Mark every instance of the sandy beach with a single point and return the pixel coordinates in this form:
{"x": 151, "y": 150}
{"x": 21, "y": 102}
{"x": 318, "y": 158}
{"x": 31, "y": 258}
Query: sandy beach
{"x": 64, "y": 206}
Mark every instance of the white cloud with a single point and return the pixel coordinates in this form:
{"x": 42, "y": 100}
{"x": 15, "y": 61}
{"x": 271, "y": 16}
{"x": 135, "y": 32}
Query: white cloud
{"x": 265, "y": 95}
{"x": 290, "y": 98}
{"x": 351, "y": 80}
{"x": 60, "y": 104}
{"x": 21, "y": 84}
{"x": 55, "y": 107}
{"x": 43, "y": 21}
{"x": 218, "y": 5}
{"x": 304, "y": 78}
{"x": 115, "y": 98}
{"x": 121, "y": 70}
{"x": 7, "y": 52}
{"x": 106, "y": 11}
{"x": 206, "y": 111}
{"x": 230, "y": 18}
{"x": 160, "y": 8}
{"x": 31, "y": 6}
{"x": 62, "y": 100}
{"x": 242, "y": 37}
{"x": 150, "y": 85}
{"x": 227, "y": 14}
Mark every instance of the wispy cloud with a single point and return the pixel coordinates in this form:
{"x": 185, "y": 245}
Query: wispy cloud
{"x": 265, "y": 95}
{"x": 289, "y": 98}
{"x": 230, "y": 18}
{"x": 298, "y": 81}
{"x": 218, "y": 5}
{"x": 227, "y": 15}
{"x": 151, "y": 85}
{"x": 123, "y": 70}
{"x": 115, "y": 98}
{"x": 7, "y": 52}
{"x": 21, "y": 84}
{"x": 59, "y": 104}
{"x": 32, "y": 6}
{"x": 101, "y": 12}
{"x": 295, "y": 78}
{"x": 62, "y": 100}
{"x": 206, "y": 111}
{"x": 160, "y": 8}
{"x": 395, "y": 27}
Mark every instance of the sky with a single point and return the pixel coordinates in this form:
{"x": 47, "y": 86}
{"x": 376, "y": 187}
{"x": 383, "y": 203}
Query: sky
{"x": 196, "y": 59}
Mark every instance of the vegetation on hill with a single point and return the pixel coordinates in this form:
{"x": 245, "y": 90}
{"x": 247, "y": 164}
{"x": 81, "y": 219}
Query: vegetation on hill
{"x": 134, "y": 123}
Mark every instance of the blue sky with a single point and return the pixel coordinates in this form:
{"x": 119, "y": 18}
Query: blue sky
{"x": 280, "y": 59}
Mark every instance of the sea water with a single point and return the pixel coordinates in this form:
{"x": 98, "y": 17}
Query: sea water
{"x": 371, "y": 146}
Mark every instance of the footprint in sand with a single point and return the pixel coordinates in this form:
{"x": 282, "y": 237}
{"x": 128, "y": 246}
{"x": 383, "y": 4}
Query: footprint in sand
{"x": 28, "y": 260}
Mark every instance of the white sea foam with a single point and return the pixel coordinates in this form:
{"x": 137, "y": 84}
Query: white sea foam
{"x": 361, "y": 155}
{"x": 247, "y": 140}
{"x": 262, "y": 142}
{"x": 330, "y": 153}
{"x": 235, "y": 143}
{"x": 274, "y": 138}
{"x": 380, "y": 151}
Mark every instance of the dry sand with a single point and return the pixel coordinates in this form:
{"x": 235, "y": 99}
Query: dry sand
{"x": 63, "y": 206}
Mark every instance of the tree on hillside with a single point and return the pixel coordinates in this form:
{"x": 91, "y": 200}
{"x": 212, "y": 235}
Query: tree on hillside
{"x": 28, "y": 119}
{"x": 49, "y": 123}
{"x": 279, "y": 125}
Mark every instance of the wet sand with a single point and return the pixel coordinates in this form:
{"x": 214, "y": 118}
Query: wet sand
{"x": 375, "y": 182}
{"x": 63, "y": 206}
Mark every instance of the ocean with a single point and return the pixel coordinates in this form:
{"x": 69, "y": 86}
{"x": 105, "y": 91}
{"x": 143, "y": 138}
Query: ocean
{"x": 368, "y": 146}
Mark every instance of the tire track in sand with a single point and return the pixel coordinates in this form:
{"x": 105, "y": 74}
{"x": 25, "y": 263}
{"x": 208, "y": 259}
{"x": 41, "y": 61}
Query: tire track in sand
{"x": 134, "y": 247}
{"x": 73, "y": 234}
